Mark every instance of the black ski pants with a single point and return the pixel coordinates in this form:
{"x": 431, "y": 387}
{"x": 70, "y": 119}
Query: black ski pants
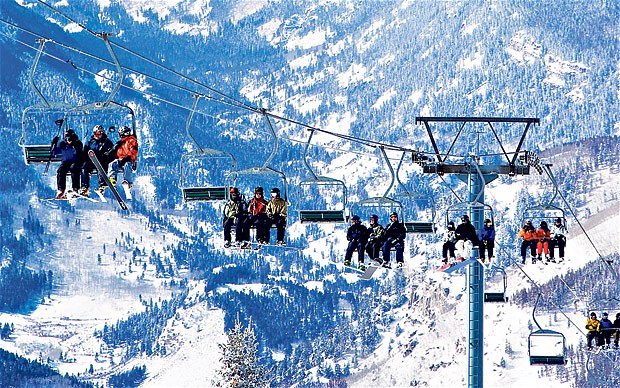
{"x": 228, "y": 224}
{"x": 353, "y": 245}
{"x": 560, "y": 243}
{"x": 61, "y": 175}
{"x": 87, "y": 168}
{"x": 447, "y": 248}
{"x": 280, "y": 223}
{"x": 373, "y": 248}
{"x": 487, "y": 245}
{"x": 531, "y": 244}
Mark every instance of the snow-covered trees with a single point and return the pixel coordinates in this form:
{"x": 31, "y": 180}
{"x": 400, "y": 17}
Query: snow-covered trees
{"x": 240, "y": 367}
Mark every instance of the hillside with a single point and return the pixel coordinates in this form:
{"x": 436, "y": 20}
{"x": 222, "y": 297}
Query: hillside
{"x": 94, "y": 291}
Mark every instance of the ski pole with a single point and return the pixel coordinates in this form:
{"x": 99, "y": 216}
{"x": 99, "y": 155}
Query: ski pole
{"x": 58, "y": 122}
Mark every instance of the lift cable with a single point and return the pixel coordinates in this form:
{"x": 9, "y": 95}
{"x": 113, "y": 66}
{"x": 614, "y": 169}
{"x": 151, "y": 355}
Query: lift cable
{"x": 547, "y": 170}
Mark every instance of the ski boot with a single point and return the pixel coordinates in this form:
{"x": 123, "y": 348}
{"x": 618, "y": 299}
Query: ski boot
{"x": 281, "y": 243}
{"x": 227, "y": 244}
{"x": 60, "y": 194}
{"x": 361, "y": 267}
{"x": 112, "y": 180}
{"x": 347, "y": 263}
{"x": 245, "y": 245}
{"x": 85, "y": 192}
{"x": 386, "y": 264}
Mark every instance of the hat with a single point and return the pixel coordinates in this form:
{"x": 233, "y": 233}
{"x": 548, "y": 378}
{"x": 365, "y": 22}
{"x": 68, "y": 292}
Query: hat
{"x": 451, "y": 225}
{"x": 592, "y": 315}
{"x": 605, "y": 315}
{"x": 355, "y": 218}
{"x": 374, "y": 217}
{"x": 275, "y": 190}
{"x": 258, "y": 189}
{"x": 393, "y": 214}
{"x": 464, "y": 217}
{"x": 488, "y": 221}
{"x": 234, "y": 190}
{"x": 558, "y": 220}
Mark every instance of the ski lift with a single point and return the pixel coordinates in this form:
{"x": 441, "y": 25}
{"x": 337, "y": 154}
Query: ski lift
{"x": 546, "y": 347}
{"x": 420, "y": 206}
{"x": 245, "y": 180}
{"x": 320, "y": 198}
{"x": 36, "y": 119}
{"x": 204, "y": 171}
{"x": 381, "y": 206}
{"x": 496, "y": 296}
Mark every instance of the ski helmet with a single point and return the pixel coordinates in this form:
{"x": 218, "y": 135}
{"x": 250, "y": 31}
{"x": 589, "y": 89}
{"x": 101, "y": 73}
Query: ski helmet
{"x": 124, "y": 131}
{"x": 375, "y": 218}
{"x": 275, "y": 190}
{"x": 258, "y": 190}
{"x": 592, "y": 315}
{"x": 393, "y": 214}
{"x": 355, "y": 218}
{"x": 464, "y": 217}
{"x": 234, "y": 190}
{"x": 98, "y": 128}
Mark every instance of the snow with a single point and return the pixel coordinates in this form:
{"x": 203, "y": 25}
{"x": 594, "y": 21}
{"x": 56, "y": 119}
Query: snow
{"x": 310, "y": 40}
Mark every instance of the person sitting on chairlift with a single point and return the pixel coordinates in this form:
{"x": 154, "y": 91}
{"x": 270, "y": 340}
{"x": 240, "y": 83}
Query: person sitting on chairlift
{"x": 607, "y": 329}
{"x": 486, "y": 235}
{"x": 557, "y": 239}
{"x": 528, "y": 234}
{"x": 72, "y": 152}
{"x": 394, "y": 237}
{"x": 124, "y": 157}
{"x": 277, "y": 212}
{"x": 376, "y": 232}
{"x": 357, "y": 235}
{"x": 449, "y": 241}
{"x": 466, "y": 237}
{"x": 234, "y": 214}
{"x": 593, "y": 326}
{"x": 100, "y": 144}
{"x": 542, "y": 246}
{"x": 257, "y": 215}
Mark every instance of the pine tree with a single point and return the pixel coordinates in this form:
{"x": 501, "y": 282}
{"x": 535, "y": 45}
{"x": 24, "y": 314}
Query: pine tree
{"x": 240, "y": 367}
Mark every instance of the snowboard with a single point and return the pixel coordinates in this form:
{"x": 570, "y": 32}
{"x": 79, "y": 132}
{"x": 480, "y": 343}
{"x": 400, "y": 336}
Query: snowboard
{"x": 459, "y": 265}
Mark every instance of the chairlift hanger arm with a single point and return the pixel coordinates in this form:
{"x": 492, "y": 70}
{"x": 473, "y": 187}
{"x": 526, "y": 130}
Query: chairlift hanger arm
{"x": 188, "y": 122}
{"x": 42, "y": 42}
{"x": 305, "y": 156}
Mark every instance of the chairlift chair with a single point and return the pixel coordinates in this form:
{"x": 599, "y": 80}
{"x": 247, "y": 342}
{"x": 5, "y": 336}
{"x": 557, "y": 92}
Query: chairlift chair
{"x": 420, "y": 217}
{"x": 38, "y": 120}
{"x": 546, "y": 347}
{"x": 381, "y": 206}
{"x": 204, "y": 171}
{"x": 497, "y": 296}
{"x": 320, "y": 198}
{"x": 264, "y": 176}
{"x": 544, "y": 212}
{"x": 455, "y": 211}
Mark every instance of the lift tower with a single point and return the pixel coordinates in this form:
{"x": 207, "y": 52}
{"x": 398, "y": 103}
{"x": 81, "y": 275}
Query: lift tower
{"x": 476, "y": 175}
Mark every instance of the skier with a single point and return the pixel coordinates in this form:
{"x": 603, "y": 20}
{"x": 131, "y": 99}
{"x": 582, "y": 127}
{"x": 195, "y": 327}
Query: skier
{"x": 607, "y": 329}
{"x": 594, "y": 330}
{"x": 449, "y": 239}
{"x": 543, "y": 233}
{"x": 125, "y": 155}
{"x": 486, "y": 235}
{"x": 394, "y": 237}
{"x": 357, "y": 236}
{"x": 100, "y": 144}
{"x": 557, "y": 239}
{"x": 528, "y": 234}
{"x": 466, "y": 237}
{"x": 617, "y": 333}
{"x": 257, "y": 216}
{"x": 376, "y": 234}
{"x": 72, "y": 152}
{"x": 277, "y": 212}
{"x": 234, "y": 214}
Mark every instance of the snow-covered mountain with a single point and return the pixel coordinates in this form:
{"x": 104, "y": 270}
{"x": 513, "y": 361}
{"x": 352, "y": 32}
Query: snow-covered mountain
{"x": 156, "y": 288}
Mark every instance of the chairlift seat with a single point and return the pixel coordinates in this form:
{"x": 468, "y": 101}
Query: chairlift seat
{"x": 39, "y": 154}
{"x": 420, "y": 227}
{"x": 204, "y": 194}
{"x": 495, "y": 297}
{"x": 322, "y": 216}
{"x": 547, "y": 347}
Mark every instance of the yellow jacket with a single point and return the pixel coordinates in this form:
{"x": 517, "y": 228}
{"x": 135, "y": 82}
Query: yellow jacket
{"x": 277, "y": 206}
{"x": 593, "y": 325}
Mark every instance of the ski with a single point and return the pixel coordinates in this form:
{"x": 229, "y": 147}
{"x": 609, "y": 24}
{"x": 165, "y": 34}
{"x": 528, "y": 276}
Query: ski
{"x": 103, "y": 174}
{"x": 127, "y": 191}
{"x": 100, "y": 195}
{"x": 459, "y": 265}
{"x": 72, "y": 197}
